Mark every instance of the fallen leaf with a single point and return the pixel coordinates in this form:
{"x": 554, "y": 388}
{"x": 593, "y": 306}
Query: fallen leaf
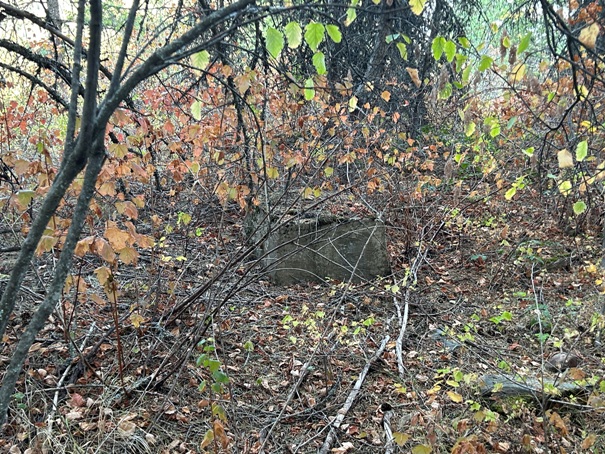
{"x": 413, "y": 72}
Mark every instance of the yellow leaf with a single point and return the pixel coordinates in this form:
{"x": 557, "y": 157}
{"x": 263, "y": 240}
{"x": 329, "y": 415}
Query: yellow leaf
{"x": 385, "y": 95}
{"x": 46, "y": 244}
{"x": 517, "y": 73}
{"x": 400, "y": 438}
{"x": 352, "y": 103}
{"x": 422, "y": 449}
{"x": 129, "y": 255}
{"x": 103, "y": 274}
{"x": 588, "y": 35}
{"x": 565, "y": 159}
{"x": 417, "y": 6}
{"x": 136, "y": 320}
{"x": 272, "y": 173}
{"x": 455, "y": 397}
{"x": 565, "y": 187}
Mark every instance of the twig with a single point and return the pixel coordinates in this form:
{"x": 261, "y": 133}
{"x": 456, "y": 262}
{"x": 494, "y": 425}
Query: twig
{"x": 303, "y": 373}
{"x": 342, "y": 413}
{"x": 403, "y": 320}
{"x": 59, "y": 387}
{"x": 388, "y": 432}
{"x": 404, "y": 323}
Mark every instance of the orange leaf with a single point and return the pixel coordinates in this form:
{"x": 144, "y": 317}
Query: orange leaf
{"x": 128, "y": 208}
{"x": 589, "y": 441}
{"x": 104, "y": 250}
{"x": 83, "y": 246}
{"x": 413, "y": 72}
{"x": 219, "y": 432}
{"x": 558, "y": 422}
{"x": 118, "y": 238}
{"x": 108, "y": 188}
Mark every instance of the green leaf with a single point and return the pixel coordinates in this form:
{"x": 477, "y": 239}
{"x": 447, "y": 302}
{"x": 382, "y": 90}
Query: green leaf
{"x": 25, "y": 196}
{"x": 582, "y": 151}
{"x": 200, "y": 59}
{"x": 529, "y": 151}
{"x": 551, "y": 96}
{"x": 293, "y": 34}
{"x": 319, "y": 61}
{"x": 334, "y": 33}
{"x": 450, "y": 50}
{"x": 485, "y": 63}
{"x": 579, "y": 207}
{"x": 213, "y": 365}
{"x": 464, "y": 42}
{"x": 466, "y": 74}
{"x": 309, "y": 90}
{"x": 460, "y": 60}
{"x": 524, "y": 44}
{"x": 249, "y": 346}
{"x": 351, "y": 16}
{"x": 314, "y": 34}
{"x": 403, "y": 50}
{"x": 495, "y": 130}
{"x": 437, "y": 47}
{"x": 469, "y": 129}
{"x": 196, "y": 110}
{"x": 510, "y": 193}
{"x": 202, "y": 386}
{"x": 351, "y": 13}
{"x": 275, "y": 42}
{"x": 446, "y": 92}
{"x": 417, "y": 6}
{"x": 220, "y": 377}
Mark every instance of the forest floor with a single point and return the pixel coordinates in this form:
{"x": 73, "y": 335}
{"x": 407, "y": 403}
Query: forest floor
{"x": 240, "y": 365}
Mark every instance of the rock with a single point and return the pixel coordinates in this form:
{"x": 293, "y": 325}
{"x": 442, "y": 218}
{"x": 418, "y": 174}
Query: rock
{"x": 562, "y": 361}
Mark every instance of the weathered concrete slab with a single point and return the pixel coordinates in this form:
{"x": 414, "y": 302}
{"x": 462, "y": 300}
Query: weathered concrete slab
{"x": 313, "y": 248}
